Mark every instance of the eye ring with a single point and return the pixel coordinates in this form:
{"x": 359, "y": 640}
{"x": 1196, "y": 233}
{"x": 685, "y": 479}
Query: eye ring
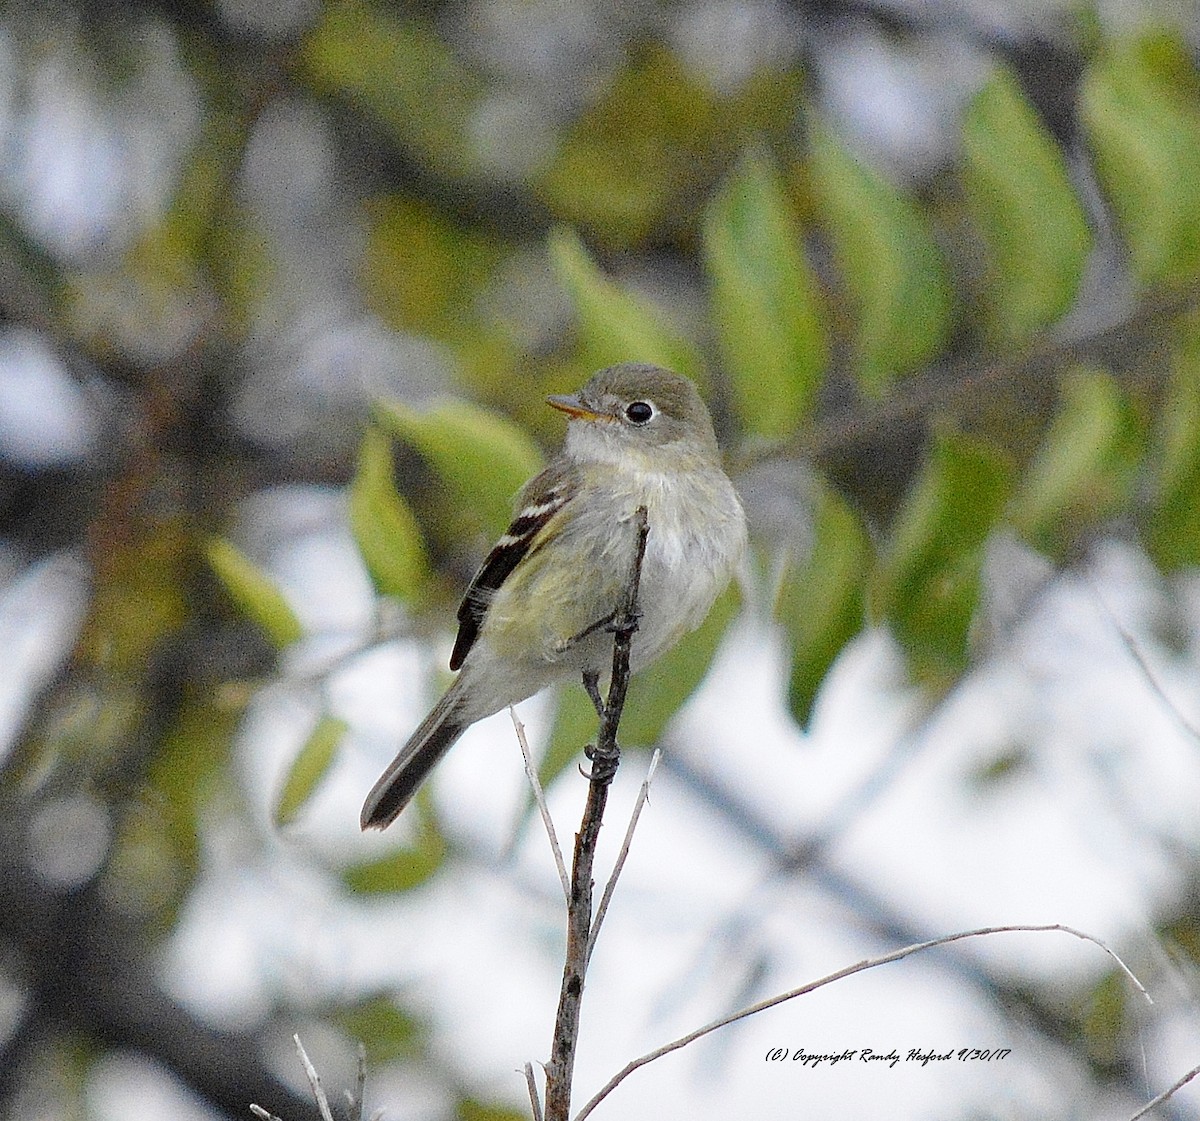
{"x": 639, "y": 412}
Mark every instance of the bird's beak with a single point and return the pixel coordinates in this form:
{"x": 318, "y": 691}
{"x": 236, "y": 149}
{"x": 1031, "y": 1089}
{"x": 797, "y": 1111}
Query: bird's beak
{"x": 574, "y": 407}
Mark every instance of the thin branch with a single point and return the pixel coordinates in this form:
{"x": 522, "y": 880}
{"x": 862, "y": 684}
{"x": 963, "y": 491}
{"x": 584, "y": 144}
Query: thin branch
{"x": 539, "y": 796}
{"x": 1135, "y": 652}
{"x": 611, "y": 886}
{"x": 535, "y": 1100}
{"x": 314, "y": 1080}
{"x": 965, "y": 381}
{"x": 1167, "y": 1094}
{"x": 848, "y": 971}
{"x": 605, "y": 758}
{"x": 360, "y": 1087}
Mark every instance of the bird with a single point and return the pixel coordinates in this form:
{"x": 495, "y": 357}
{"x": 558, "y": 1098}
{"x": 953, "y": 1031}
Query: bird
{"x": 537, "y": 610}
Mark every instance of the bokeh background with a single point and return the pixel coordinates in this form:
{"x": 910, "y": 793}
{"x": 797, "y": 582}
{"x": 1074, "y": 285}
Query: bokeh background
{"x": 283, "y": 285}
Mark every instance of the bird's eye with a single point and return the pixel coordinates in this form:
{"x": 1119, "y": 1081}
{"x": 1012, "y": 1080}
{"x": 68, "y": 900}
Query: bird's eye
{"x": 639, "y": 412}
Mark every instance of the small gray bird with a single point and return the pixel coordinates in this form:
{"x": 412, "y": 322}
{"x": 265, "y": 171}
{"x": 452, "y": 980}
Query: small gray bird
{"x": 637, "y": 436}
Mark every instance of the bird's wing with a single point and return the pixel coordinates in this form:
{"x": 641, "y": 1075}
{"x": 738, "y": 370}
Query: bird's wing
{"x": 541, "y": 498}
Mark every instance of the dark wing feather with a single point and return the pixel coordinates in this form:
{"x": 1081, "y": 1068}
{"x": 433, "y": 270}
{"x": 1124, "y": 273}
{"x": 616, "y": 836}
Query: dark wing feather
{"x": 542, "y": 498}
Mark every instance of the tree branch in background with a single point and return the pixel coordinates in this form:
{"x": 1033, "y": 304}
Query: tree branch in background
{"x": 848, "y": 971}
{"x": 605, "y": 758}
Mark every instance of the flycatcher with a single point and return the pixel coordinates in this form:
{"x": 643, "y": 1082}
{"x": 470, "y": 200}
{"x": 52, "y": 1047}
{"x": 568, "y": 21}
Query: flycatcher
{"x": 537, "y": 610}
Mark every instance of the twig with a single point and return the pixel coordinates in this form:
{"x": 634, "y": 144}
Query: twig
{"x": 605, "y": 758}
{"x": 1167, "y": 1094}
{"x": 611, "y": 886}
{"x": 848, "y": 971}
{"x": 534, "y": 1100}
{"x": 314, "y": 1080}
{"x": 360, "y": 1087}
{"x": 539, "y": 796}
{"x": 1135, "y": 652}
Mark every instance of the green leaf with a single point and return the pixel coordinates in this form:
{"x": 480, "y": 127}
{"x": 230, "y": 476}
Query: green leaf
{"x": 1140, "y": 106}
{"x": 1022, "y": 200}
{"x": 387, "y": 1032}
{"x": 481, "y": 459}
{"x": 1086, "y": 466}
{"x": 614, "y": 324}
{"x": 310, "y": 766}
{"x": 655, "y": 694}
{"x": 471, "y": 1110}
{"x": 1105, "y": 1020}
{"x": 927, "y": 585}
{"x": 384, "y": 528}
{"x": 765, "y": 300}
{"x": 254, "y": 592}
{"x": 821, "y": 599}
{"x": 405, "y": 868}
{"x": 892, "y": 269}
{"x": 1173, "y": 532}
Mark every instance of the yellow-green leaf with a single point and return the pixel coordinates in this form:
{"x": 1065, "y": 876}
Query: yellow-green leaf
{"x": 481, "y": 459}
{"x": 822, "y": 598}
{"x": 765, "y": 300}
{"x": 403, "y": 869}
{"x": 1140, "y": 106}
{"x": 387, "y": 1032}
{"x": 1022, "y": 200}
{"x": 891, "y": 267}
{"x": 310, "y": 766}
{"x": 1086, "y": 466}
{"x": 927, "y": 584}
{"x": 616, "y": 326}
{"x": 1173, "y": 532}
{"x": 384, "y": 528}
{"x": 253, "y": 591}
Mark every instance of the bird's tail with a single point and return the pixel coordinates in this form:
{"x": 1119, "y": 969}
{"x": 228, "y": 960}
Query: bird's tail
{"x": 435, "y": 736}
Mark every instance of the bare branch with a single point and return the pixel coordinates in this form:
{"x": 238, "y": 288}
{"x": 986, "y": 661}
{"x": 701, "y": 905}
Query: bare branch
{"x": 848, "y": 971}
{"x": 605, "y": 758}
{"x": 1135, "y": 652}
{"x": 535, "y": 1100}
{"x": 314, "y": 1080}
{"x": 360, "y": 1088}
{"x": 611, "y": 886}
{"x": 539, "y": 796}
{"x": 1167, "y": 1094}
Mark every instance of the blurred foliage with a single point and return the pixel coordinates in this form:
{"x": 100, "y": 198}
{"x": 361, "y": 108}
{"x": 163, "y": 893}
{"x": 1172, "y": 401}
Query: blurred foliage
{"x": 400, "y": 73}
{"x": 643, "y": 157}
{"x": 309, "y": 767}
{"x": 888, "y": 260}
{"x": 254, "y": 592}
{"x": 1140, "y": 102}
{"x": 927, "y": 584}
{"x": 820, "y": 601}
{"x": 934, "y": 347}
{"x": 1020, "y": 196}
{"x": 1086, "y": 468}
{"x": 614, "y": 325}
{"x": 766, "y": 305}
{"x": 387, "y": 1031}
{"x": 385, "y": 529}
{"x": 403, "y": 868}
